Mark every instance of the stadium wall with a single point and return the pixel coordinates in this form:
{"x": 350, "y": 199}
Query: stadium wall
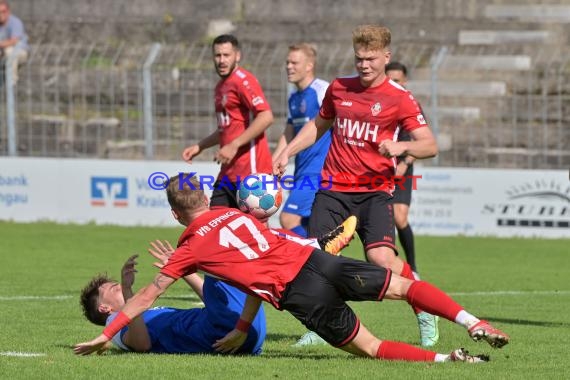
{"x": 447, "y": 201}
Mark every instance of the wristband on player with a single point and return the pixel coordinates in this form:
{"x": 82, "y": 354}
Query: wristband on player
{"x": 243, "y": 326}
{"x": 120, "y": 321}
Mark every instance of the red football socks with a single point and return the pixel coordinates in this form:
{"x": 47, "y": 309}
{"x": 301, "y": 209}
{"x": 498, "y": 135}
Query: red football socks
{"x": 425, "y": 296}
{"x": 407, "y": 273}
{"x": 389, "y": 350}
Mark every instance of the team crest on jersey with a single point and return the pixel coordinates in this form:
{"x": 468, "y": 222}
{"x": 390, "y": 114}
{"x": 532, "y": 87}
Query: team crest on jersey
{"x": 376, "y": 108}
{"x": 303, "y": 106}
{"x": 421, "y": 119}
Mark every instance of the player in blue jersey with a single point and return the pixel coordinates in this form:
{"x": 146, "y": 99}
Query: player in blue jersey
{"x": 166, "y": 329}
{"x": 304, "y": 105}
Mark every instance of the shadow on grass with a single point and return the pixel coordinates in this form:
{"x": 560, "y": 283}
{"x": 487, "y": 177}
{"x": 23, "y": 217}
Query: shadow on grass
{"x": 303, "y": 354}
{"x": 280, "y": 337}
{"x": 513, "y": 321}
{"x": 276, "y": 337}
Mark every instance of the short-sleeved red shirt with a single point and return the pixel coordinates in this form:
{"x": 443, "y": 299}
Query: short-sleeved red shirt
{"x": 363, "y": 117}
{"x": 238, "y": 99}
{"x": 237, "y": 248}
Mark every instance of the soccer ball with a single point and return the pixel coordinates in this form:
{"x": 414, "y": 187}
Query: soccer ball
{"x": 260, "y": 195}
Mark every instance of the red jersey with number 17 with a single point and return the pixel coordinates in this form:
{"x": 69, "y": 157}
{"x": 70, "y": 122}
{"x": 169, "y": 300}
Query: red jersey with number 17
{"x": 237, "y": 248}
{"x": 364, "y": 117}
{"x": 238, "y": 98}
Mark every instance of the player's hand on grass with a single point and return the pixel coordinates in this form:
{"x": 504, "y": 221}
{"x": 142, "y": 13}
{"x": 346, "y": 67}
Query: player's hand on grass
{"x": 231, "y": 342}
{"x": 128, "y": 272}
{"x": 99, "y": 345}
{"x": 189, "y": 153}
{"x": 161, "y": 250}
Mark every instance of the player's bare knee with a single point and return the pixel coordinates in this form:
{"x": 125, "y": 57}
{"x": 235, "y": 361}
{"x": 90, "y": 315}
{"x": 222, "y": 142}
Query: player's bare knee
{"x": 382, "y": 256}
{"x": 363, "y": 344}
{"x": 398, "y": 288}
{"x": 401, "y": 221}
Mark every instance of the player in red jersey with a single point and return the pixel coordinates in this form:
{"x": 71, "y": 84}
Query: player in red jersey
{"x": 309, "y": 283}
{"x": 366, "y": 113}
{"x": 243, "y": 146}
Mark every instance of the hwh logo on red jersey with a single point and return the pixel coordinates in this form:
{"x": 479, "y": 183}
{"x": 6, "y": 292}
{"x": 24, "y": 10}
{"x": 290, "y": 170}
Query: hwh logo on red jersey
{"x": 354, "y": 129}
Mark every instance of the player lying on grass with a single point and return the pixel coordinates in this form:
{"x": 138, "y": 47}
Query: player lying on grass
{"x": 309, "y": 283}
{"x": 166, "y": 329}
{"x": 170, "y": 330}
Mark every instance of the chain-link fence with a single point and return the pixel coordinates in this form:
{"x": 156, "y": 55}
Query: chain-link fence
{"x": 499, "y": 106}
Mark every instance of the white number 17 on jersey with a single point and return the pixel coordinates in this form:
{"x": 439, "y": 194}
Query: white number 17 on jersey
{"x": 227, "y": 237}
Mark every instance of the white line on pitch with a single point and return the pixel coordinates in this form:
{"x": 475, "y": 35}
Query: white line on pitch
{"x": 21, "y": 354}
{"x": 33, "y": 298}
{"x": 512, "y": 293}
{"x": 66, "y": 297}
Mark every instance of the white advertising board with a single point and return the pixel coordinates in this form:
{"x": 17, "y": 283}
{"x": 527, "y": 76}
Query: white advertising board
{"x": 526, "y": 203}
{"x": 447, "y": 201}
{"x": 83, "y": 191}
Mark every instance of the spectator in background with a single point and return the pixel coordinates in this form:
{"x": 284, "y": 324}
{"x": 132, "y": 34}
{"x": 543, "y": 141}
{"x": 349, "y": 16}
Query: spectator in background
{"x": 13, "y": 38}
{"x": 398, "y": 73}
{"x": 243, "y": 146}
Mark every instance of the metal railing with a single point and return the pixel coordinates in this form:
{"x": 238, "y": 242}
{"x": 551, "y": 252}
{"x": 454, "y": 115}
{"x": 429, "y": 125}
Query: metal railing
{"x": 490, "y": 106}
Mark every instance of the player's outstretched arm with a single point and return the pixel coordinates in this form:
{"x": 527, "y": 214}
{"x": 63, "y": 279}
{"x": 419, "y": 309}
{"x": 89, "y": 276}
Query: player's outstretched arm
{"x": 307, "y": 136}
{"x": 128, "y": 276}
{"x": 286, "y": 137}
{"x": 162, "y": 250}
{"x": 137, "y": 337}
{"x": 99, "y": 345}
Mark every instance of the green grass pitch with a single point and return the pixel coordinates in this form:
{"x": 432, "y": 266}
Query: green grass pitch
{"x": 521, "y": 285}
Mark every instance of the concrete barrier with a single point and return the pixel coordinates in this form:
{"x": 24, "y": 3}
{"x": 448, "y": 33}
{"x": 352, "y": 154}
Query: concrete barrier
{"x": 487, "y": 62}
{"x": 535, "y": 13}
{"x": 460, "y": 88}
{"x": 499, "y": 37}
